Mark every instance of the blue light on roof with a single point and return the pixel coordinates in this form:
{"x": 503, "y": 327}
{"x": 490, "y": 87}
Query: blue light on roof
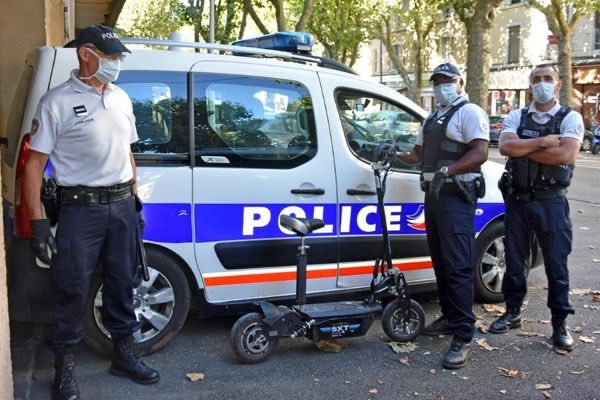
{"x": 296, "y": 42}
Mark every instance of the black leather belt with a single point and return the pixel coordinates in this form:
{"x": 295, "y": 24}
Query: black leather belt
{"x": 90, "y": 195}
{"x": 539, "y": 195}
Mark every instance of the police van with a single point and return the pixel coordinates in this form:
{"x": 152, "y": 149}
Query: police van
{"x": 230, "y": 139}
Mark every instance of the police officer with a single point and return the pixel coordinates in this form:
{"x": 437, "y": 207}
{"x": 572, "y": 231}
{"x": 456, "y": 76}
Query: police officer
{"x": 542, "y": 142}
{"x": 451, "y": 148}
{"x": 85, "y": 127}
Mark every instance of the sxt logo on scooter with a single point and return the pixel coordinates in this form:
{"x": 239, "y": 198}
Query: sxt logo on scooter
{"x": 341, "y": 329}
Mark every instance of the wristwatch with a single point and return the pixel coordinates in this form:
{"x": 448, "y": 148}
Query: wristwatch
{"x": 444, "y": 170}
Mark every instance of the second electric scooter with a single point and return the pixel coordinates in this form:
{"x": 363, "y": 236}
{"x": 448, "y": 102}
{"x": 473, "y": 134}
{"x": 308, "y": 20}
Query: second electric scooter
{"x": 255, "y": 335}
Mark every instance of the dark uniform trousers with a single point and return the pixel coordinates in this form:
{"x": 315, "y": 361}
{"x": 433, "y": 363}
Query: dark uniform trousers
{"x": 451, "y": 240}
{"x": 550, "y": 221}
{"x": 89, "y": 234}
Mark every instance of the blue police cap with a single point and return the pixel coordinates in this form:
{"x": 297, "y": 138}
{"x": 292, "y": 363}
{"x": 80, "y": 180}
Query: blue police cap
{"x": 447, "y": 69}
{"x": 102, "y": 37}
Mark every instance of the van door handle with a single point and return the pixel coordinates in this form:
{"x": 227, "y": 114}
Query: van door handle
{"x": 359, "y": 192}
{"x": 308, "y": 191}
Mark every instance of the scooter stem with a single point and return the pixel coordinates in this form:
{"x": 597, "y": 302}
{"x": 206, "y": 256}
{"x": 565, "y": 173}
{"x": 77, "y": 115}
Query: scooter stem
{"x": 301, "y": 274}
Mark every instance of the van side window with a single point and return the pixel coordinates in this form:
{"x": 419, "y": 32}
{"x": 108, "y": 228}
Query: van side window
{"x": 160, "y": 106}
{"x": 368, "y": 121}
{"x": 252, "y": 122}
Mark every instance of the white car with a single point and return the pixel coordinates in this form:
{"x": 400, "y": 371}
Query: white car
{"x": 214, "y": 184}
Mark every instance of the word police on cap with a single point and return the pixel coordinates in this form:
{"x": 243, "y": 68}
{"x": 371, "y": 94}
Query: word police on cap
{"x": 110, "y": 35}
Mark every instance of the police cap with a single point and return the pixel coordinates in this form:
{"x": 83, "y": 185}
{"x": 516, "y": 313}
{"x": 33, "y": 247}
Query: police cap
{"x": 447, "y": 69}
{"x": 102, "y": 37}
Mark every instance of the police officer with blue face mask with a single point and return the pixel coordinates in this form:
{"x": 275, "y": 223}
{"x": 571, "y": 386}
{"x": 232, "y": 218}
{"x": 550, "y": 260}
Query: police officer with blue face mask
{"x": 451, "y": 147}
{"x": 542, "y": 141}
{"x": 85, "y": 128}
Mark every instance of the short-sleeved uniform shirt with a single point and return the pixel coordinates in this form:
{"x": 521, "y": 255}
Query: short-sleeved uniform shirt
{"x": 86, "y": 134}
{"x": 571, "y": 126}
{"x": 470, "y": 122}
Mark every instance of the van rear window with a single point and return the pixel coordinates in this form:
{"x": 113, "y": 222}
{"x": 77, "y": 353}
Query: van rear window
{"x": 15, "y": 117}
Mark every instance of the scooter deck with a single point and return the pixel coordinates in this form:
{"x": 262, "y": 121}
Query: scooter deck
{"x": 339, "y": 309}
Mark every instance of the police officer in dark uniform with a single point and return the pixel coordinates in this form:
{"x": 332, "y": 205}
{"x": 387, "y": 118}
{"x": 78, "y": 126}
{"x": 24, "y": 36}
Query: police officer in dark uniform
{"x": 542, "y": 141}
{"x": 452, "y": 146}
{"x": 85, "y": 127}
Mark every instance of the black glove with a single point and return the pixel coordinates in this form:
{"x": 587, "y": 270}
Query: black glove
{"x": 382, "y": 151}
{"x": 139, "y": 207}
{"x": 42, "y": 240}
{"x": 436, "y": 184}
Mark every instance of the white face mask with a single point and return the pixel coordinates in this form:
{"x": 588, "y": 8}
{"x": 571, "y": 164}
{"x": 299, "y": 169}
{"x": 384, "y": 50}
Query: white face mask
{"x": 543, "y": 92}
{"x": 108, "y": 70}
{"x": 445, "y": 93}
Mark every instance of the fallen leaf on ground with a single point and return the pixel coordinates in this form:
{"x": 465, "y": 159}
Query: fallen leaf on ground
{"x": 561, "y": 352}
{"x": 529, "y": 334}
{"x": 581, "y": 292}
{"x": 330, "y": 346}
{"x": 509, "y": 373}
{"x": 427, "y": 353}
{"x": 491, "y": 308}
{"x": 373, "y": 391}
{"x": 380, "y": 381}
{"x": 547, "y": 395}
{"x": 432, "y": 371}
{"x": 596, "y": 332}
{"x": 316, "y": 379}
{"x": 195, "y": 376}
{"x": 577, "y": 329}
{"x": 596, "y": 298}
{"x": 543, "y": 386}
{"x": 584, "y": 228}
{"x": 404, "y": 360}
{"x": 482, "y": 329}
{"x": 403, "y": 347}
{"x": 544, "y": 321}
{"x": 586, "y": 339}
{"x": 577, "y": 372}
{"x": 503, "y": 391}
{"x": 485, "y": 345}
{"x": 595, "y": 260}
{"x": 464, "y": 378}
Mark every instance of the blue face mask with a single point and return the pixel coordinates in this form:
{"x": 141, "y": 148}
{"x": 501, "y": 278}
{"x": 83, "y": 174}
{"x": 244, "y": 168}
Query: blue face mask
{"x": 445, "y": 93}
{"x": 543, "y": 92}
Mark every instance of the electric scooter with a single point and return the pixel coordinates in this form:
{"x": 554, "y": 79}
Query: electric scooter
{"x": 255, "y": 335}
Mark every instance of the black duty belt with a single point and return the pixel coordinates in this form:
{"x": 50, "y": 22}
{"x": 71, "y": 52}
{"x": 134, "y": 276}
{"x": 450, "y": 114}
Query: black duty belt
{"x": 538, "y": 195}
{"x": 100, "y": 194}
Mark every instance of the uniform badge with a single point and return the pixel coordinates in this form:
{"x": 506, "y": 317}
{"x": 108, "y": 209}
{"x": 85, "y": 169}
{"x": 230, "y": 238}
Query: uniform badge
{"x": 80, "y": 111}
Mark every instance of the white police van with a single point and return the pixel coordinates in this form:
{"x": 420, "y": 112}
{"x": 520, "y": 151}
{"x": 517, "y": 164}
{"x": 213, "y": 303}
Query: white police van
{"x": 227, "y": 144}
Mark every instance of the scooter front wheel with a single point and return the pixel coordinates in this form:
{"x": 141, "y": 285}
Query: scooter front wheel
{"x": 250, "y": 339}
{"x": 403, "y": 327}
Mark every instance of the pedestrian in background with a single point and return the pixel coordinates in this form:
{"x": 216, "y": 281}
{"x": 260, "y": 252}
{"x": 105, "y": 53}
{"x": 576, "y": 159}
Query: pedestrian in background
{"x": 542, "y": 141}
{"x": 451, "y": 147}
{"x": 85, "y": 127}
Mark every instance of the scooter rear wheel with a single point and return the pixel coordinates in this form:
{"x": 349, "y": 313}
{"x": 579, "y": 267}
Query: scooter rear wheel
{"x": 250, "y": 339}
{"x": 401, "y": 328}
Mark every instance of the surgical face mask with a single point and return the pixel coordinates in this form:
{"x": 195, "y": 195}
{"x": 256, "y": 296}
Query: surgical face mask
{"x": 445, "y": 93}
{"x": 543, "y": 92}
{"x": 108, "y": 70}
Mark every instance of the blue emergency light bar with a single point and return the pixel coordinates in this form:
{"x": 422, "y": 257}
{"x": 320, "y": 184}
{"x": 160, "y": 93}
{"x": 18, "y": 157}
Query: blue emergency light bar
{"x": 295, "y": 42}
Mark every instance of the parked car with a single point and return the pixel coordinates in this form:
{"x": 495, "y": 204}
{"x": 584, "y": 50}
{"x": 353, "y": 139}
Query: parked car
{"x": 214, "y": 185}
{"x": 495, "y": 128}
{"x": 588, "y": 140}
{"x": 393, "y": 125}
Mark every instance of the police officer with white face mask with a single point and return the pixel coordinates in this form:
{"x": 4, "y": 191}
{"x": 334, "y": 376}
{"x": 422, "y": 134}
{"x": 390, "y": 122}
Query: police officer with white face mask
{"x": 542, "y": 141}
{"x": 85, "y": 128}
{"x": 451, "y": 148}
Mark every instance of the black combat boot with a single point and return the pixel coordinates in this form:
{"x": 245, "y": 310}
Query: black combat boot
{"x": 561, "y": 337}
{"x": 65, "y": 385}
{"x": 127, "y": 362}
{"x": 437, "y": 327}
{"x": 458, "y": 354}
{"x": 511, "y": 319}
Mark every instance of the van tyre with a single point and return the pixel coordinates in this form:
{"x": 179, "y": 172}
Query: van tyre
{"x": 399, "y": 328}
{"x": 595, "y": 148}
{"x": 162, "y": 305}
{"x": 250, "y": 339}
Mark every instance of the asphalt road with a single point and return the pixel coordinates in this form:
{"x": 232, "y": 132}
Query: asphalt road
{"x": 366, "y": 367}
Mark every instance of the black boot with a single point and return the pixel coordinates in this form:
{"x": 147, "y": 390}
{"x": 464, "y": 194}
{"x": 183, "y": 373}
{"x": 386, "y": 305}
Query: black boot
{"x": 65, "y": 385}
{"x": 511, "y": 319}
{"x": 437, "y": 327}
{"x": 458, "y": 354}
{"x": 561, "y": 337}
{"x": 127, "y": 362}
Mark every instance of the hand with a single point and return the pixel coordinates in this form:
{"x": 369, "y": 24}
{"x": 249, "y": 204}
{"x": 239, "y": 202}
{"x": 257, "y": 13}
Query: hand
{"x": 382, "y": 151}
{"x": 550, "y": 141}
{"x": 436, "y": 184}
{"x": 139, "y": 207}
{"x": 42, "y": 240}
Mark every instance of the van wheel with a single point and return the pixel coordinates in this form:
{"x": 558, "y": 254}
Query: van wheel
{"x": 595, "y": 148}
{"x": 161, "y": 306}
{"x": 490, "y": 265}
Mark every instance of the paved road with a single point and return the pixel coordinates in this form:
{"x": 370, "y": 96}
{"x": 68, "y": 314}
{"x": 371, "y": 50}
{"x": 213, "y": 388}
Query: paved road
{"x": 367, "y": 368}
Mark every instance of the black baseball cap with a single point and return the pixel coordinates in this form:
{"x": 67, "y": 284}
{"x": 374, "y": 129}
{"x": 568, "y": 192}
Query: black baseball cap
{"x": 102, "y": 37}
{"x": 446, "y": 69}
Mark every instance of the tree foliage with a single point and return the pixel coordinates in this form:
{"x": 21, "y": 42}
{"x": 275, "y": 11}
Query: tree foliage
{"x": 150, "y": 18}
{"x": 229, "y": 21}
{"x": 418, "y": 21}
{"x": 562, "y": 15}
{"x": 478, "y": 17}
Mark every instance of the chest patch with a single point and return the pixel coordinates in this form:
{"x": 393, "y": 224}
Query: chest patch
{"x": 80, "y": 111}
{"x": 530, "y": 133}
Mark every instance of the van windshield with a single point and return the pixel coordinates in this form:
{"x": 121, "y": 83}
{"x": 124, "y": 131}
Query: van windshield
{"x": 15, "y": 117}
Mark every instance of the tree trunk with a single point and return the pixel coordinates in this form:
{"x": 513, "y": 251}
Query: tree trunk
{"x": 115, "y": 9}
{"x": 566, "y": 96}
{"x": 305, "y": 17}
{"x": 250, "y": 10}
{"x": 478, "y": 54}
